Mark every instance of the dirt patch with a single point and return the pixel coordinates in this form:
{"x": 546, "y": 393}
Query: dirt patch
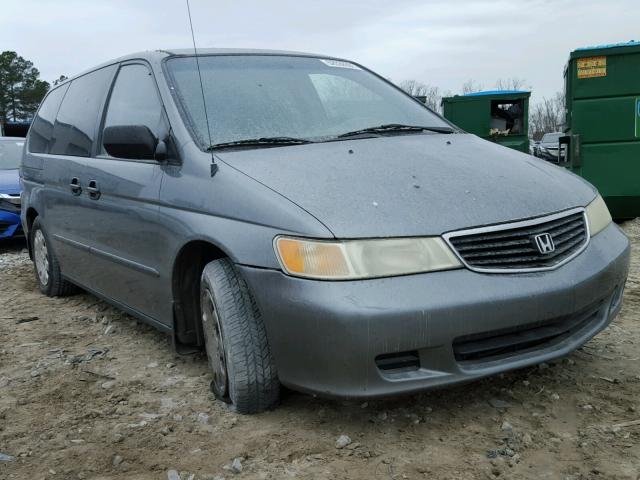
{"x": 87, "y": 392}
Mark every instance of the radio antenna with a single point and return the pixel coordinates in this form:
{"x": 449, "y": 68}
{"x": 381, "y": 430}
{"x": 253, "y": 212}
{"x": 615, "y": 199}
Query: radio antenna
{"x": 214, "y": 165}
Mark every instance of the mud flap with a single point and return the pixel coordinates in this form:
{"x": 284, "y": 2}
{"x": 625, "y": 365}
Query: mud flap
{"x": 183, "y": 341}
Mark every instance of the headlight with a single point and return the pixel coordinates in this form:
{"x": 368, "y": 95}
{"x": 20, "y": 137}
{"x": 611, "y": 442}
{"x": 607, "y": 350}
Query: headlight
{"x": 15, "y": 199}
{"x": 10, "y": 203}
{"x": 354, "y": 259}
{"x": 598, "y": 216}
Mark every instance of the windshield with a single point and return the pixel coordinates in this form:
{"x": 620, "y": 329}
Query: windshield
{"x": 551, "y": 137}
{"x": 265, "y": 96}
{"x": 10, "y": 154}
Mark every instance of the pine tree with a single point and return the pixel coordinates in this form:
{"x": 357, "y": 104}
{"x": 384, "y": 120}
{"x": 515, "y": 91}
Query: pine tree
{"x": 21, "y": 89}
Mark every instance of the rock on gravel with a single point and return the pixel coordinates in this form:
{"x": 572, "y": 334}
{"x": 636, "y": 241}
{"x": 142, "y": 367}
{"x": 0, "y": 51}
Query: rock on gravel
{"x": 497, "y": 403}
{"x": 11, "y": 259}
{"x": 236, "y": 465}
{"x": 108, "y": 384}
{"x": 6, "y": 458}
{"x": 173, "y": 475}
{"x": 343, "y": 441}
{"x": 506, "y": 426}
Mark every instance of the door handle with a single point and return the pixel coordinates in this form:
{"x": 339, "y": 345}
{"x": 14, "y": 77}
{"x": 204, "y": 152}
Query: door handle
{"x": 94, "y": 191}
{"x": 75, "y": 187}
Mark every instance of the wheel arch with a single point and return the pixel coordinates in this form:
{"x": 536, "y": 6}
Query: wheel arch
{"x": 30, "y": 216}
{"x": 185, "y": 286}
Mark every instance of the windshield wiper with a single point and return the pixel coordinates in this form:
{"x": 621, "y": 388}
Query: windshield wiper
{"x": 259, "y": 142}
{"x": 396, "y": 127}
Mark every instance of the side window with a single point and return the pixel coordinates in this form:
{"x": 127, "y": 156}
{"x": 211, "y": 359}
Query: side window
{"x": 75, "y": 128}
{"x": 41, "y": 130}
{"x": 134, "y": 101}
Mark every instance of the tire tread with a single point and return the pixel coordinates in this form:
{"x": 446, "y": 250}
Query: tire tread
{"x": 253, "y": 380}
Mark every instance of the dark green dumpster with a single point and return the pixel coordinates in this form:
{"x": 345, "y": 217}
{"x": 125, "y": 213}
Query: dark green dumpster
{"x": 498, "y": 115}
{"x": 603, "y": 122}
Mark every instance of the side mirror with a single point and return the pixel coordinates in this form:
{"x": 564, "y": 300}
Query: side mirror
{"x": 130, "y": 141}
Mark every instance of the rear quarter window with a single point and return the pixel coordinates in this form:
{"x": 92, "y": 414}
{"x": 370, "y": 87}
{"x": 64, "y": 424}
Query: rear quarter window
{"x": 41, "y": 131}
{"x": 76, "y": 124}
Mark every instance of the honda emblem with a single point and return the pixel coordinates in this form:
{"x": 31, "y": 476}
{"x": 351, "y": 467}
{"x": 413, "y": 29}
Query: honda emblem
{"x": 544, "y": 243}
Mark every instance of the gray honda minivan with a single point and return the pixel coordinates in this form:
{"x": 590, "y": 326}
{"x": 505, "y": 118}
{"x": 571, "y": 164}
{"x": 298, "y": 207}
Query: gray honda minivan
{"x": 310, "y": 225}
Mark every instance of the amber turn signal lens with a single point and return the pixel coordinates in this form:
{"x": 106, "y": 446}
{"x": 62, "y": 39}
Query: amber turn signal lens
{"x": 312, "y": 258}
{"x": 291, "y": 255}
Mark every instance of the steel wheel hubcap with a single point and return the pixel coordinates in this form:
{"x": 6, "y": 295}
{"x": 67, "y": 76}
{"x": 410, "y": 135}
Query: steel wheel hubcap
{"x": 213, "y": 342}
{"x": 41, "y": 255}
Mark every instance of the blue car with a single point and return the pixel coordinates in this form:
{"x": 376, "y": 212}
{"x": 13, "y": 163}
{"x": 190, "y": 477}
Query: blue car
{"x": 10, "y": 155}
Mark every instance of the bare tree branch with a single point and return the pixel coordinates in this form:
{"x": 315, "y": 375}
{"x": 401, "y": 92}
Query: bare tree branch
{"x": 513, "y": 83}
{"x": 471, "y": 86}
{"x": 547, "y": 116}
{"x": 432, "y": 96}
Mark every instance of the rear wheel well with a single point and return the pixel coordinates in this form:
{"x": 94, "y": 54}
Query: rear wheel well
{"x": 187, "y": 269}
{"x": 31, "y": 216}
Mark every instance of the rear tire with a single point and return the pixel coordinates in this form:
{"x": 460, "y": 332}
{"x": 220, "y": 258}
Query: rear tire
{"x": 47, "y": 268}
{"x": 244, "y": 372}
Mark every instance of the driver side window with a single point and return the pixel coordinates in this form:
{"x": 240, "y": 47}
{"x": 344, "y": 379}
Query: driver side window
{"x": 135, "y": 101}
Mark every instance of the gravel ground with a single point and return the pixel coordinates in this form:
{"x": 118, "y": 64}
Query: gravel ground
{"x": 87, "y": 392}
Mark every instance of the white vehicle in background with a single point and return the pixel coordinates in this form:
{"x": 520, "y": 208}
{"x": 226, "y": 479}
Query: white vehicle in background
{"x": 548, "y": 147}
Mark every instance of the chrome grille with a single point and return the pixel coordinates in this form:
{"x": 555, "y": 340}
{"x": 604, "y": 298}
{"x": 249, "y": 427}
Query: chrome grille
{"x": 512, "y": 246}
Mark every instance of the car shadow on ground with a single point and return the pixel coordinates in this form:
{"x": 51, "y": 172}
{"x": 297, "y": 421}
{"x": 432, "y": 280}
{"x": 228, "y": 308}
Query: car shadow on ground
{"x": 496, "y": 391}
{"x": 12, "y": 245}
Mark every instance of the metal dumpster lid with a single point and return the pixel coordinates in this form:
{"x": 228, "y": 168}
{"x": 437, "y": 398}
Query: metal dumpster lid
{"x": 496, "y": 92}
{"x": 630, "y": 43}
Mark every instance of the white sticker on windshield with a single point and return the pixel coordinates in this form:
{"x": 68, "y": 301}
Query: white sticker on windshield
{"x": 20, "y": 144}
{"x": 340, "y": 64}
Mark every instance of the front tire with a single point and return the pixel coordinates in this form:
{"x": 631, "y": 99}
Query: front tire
{"x": 244, "y": 372}
{"x": 47, "y": 268}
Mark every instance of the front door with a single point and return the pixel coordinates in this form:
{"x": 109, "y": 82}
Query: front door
{"x": 123, "y": 223}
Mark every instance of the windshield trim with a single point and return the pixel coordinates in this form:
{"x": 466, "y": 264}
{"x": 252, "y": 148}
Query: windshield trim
{"x": 203, "y": 144}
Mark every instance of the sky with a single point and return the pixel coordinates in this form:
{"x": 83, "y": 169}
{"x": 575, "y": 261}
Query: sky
{"x": 441, "y": 43}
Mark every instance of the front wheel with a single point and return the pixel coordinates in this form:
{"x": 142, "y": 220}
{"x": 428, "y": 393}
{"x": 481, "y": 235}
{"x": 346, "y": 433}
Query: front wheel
{"x": 242, "y": 366}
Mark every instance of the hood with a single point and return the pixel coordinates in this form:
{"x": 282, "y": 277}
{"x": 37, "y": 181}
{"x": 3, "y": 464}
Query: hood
{"x": 412, "y": 185}
{"x": 10, "y": 181}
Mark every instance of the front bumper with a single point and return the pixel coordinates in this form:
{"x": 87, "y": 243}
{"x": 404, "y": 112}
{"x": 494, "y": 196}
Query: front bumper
{"x": 9, "y": 224}
{"x": 379, "y": 337}
{"x": 548, "y": 155}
